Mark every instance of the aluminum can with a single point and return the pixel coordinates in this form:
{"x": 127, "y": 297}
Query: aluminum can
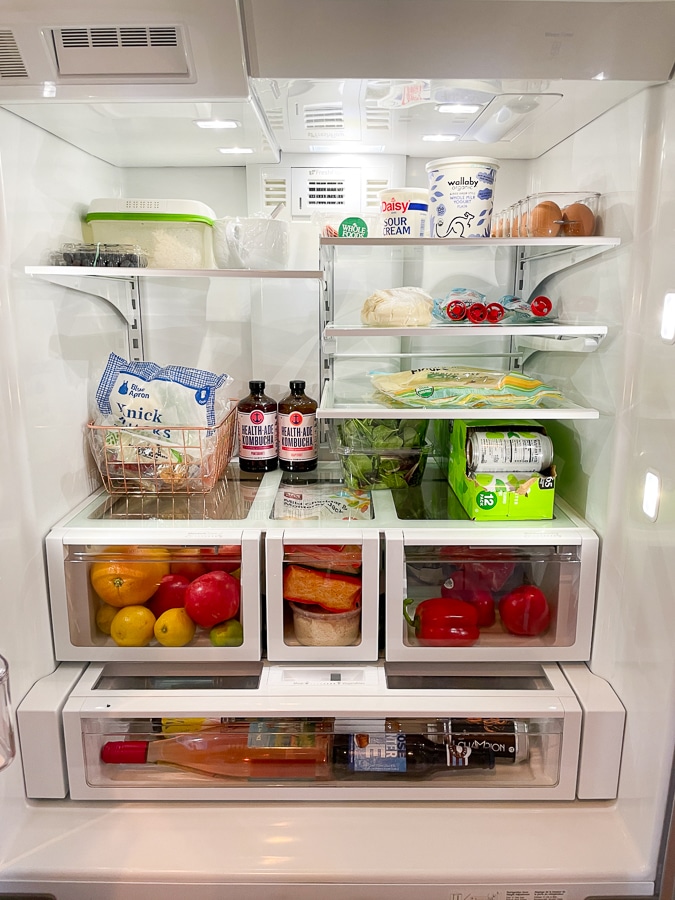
{"x": 508, "y": 451}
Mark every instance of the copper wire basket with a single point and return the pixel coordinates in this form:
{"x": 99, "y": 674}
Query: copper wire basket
{"x": 136, "y": 460}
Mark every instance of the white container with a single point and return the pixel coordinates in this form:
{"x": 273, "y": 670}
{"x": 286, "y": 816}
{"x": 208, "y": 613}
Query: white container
{"x": 461, "y": 196}
{"x": 175, "y": 234}
{"x": 403, "y": 212}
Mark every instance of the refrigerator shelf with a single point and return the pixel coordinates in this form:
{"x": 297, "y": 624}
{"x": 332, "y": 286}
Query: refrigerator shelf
{"x": 348, "y": 400}
{"x": 93, "y": 272}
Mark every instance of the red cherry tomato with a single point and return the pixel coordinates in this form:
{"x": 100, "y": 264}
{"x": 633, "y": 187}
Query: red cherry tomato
{"x": 212, "y": 598}
{"x": 169, "y": 595}
{"x": 525, "y": 611}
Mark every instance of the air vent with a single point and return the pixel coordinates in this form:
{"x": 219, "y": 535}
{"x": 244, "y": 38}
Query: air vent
{"x": 275, "y": 191}
{"x": 321, "y": 118}
{"x": 275, "y": 119}
{"x": 115, "y": 51}
{"x": 373, "y": 187}
{"x": 378, "y": 119}
{"x": 325, "y": 192}
{"x": 11, "y": 63}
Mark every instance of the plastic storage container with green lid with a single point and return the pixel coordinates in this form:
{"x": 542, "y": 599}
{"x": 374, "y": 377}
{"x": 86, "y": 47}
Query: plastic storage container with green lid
{"x": 175, "y": 234}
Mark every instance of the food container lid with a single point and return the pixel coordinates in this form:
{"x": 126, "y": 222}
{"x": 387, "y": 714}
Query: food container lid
{"x": 134, "y": 209}
{"x": 464, "y": 160}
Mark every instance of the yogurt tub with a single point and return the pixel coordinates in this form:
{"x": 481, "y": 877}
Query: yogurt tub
{"x": 403, "y": 212}
{"x": 316, "y": 627}
{"x": 461, "y": 196}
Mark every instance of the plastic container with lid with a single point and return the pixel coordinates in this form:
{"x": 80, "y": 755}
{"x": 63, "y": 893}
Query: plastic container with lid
{"x": 403, "y": 212}
{"x": 175, "y": 234}
{"x": 461, "y": 196}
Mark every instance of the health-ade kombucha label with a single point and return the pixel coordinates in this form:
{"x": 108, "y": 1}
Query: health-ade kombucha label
{"x": 297, "y": 436}
{"x": 257, "y": 434}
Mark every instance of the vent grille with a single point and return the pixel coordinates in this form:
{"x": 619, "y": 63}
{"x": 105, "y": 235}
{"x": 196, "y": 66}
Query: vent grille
{"x": 11, "y": 63}
{"x": 373, "y": 187}
{"x": 326, "y": 192}
{"x": 275, "y": 118}
{"x": 324, "y": 117}
{"x": 275, "y": 191}
{"x": 92, "y": 38}
{"x": 378, "y": 119}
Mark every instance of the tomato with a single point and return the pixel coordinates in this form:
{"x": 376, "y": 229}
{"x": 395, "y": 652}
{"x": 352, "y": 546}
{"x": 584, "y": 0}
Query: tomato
{"x": 191, "y": 570}
{"x": 212, "y": 598}
{"x": 525, "y": 610}
{"x": 481, "y": 600}
{"x": 221, "y": 559}
{"x": 169, "y": 595}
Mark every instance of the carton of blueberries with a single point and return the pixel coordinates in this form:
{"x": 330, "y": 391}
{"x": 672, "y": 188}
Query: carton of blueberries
{"x": 108, "y": 256}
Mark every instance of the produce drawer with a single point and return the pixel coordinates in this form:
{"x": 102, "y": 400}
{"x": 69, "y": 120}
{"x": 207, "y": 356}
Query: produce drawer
{"x": 340, "y": 733}
{"x": 503, "y": 593}
{"x": 121, "y": 601}
{"x": 322, "y": 594}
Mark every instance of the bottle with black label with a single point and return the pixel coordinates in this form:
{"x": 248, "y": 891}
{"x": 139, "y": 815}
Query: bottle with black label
{"x": 298, "y": 447}
{"x": 257, "y": 430}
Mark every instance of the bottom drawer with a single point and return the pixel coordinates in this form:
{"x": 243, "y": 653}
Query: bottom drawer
{"x": 327, "y": 732}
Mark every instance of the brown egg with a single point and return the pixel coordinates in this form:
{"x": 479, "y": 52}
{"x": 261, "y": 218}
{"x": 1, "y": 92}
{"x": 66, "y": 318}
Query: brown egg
{"x": 578, "y": 220}
{"x": 522, "y": 231}
{"x": 545, "y": 220}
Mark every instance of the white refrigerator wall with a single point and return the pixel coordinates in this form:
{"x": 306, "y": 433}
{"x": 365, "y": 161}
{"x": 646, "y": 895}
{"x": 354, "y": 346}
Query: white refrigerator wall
{"x": 53, "y": 339}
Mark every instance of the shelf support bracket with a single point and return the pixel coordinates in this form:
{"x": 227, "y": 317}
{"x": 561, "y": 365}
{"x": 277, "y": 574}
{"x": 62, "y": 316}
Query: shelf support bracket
{"x": 123, "y": 294}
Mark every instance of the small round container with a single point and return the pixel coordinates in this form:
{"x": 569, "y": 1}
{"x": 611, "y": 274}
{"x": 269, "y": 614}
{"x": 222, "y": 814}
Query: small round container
{"x": 403, "y": 212}
{"x": 461, "y": 196}
{"x": 317, "y": 627}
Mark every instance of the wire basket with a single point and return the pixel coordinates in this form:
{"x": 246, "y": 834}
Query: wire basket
{"x": 137, "y": 460}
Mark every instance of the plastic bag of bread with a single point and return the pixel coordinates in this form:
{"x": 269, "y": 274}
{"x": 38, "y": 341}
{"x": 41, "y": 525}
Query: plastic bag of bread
{"x": 398, "y": 308}
{"x": 329, "y": 590}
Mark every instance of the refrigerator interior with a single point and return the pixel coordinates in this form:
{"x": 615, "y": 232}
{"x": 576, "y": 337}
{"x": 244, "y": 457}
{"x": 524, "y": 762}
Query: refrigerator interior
{"x": 54, "y": 340}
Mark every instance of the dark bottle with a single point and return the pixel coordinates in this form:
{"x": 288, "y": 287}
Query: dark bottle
{"x": 257, "y": 430}
{"x": 298, "y": 447}
{"x": 409, "y": 755}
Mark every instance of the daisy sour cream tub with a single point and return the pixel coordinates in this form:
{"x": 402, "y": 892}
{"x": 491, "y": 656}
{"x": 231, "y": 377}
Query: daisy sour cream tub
{"x": 403, "y": 212}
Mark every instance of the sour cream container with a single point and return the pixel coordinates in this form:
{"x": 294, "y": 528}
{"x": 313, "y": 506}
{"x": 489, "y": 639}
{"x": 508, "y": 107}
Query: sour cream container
{"x": 403, "y": 212}
{"x": 461, "y": 196}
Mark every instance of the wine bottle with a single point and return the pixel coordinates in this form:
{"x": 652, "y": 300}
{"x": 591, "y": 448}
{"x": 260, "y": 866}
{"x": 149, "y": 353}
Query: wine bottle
{"x": 298, "y": 446}
{"x": 260, "y": 750}
{"x": 257, "y": 430}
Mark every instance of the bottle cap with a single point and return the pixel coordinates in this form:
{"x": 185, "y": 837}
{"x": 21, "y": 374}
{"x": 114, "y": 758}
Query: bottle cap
{"x": 297, "y": 385}
{"x": 256, "y": 387}
{"x": 125, "y": 752}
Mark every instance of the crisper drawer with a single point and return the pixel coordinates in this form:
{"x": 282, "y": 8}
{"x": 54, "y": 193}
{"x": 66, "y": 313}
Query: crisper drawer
{"x": 322, "y": 594}
{"x": 498, "y": 594}
{"x": 155, "y": 597}
{"x": 332, "y": 733}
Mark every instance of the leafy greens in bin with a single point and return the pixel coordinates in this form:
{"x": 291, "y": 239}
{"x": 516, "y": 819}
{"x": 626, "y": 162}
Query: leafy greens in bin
{"x": 382, "y": 453}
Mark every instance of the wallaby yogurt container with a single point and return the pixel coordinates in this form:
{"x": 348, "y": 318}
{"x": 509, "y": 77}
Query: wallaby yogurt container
{"x": 461, "y": 196}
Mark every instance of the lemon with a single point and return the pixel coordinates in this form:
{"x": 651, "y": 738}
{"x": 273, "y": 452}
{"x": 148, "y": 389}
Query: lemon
{"x": 174, "y": 628}
{"x": 132, "y": 627}
{"x": 104, "y": 616}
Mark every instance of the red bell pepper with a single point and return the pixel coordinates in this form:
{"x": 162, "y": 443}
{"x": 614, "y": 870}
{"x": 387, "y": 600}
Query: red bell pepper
{"x": 483, "y": 601}
{"x": 443, "y": 622}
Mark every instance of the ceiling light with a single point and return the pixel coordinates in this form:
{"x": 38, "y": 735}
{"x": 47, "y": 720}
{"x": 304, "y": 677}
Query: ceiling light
{"x": 457, "y": 109}
{"x": 217, "y": 123}
{"x": 599, "y": 77}
{"x": 440, "y": 137}
{"x": 651, "y": 495}
{"x": 346, "y": 148}
{"x": 235, "y": 149}
{"x": 507, "y": 116}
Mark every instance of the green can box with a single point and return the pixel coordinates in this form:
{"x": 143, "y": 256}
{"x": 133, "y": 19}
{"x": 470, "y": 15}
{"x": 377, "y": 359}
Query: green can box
{"x": 493, "y": 496}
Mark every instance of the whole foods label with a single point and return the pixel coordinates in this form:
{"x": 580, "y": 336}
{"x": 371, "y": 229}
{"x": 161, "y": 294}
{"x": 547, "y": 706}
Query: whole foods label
{"x": 257, "y": 434}
{"x": 297, "y": 436}
{"x": 353, "y": 227}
